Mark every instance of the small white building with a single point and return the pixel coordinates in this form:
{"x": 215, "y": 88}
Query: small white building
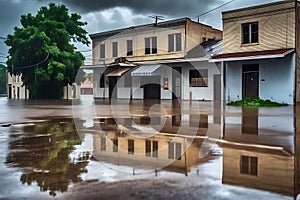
{"x": 15, "y": 87}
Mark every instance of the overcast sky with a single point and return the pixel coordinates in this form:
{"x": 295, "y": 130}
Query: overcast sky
{"x": 103, "y": 15}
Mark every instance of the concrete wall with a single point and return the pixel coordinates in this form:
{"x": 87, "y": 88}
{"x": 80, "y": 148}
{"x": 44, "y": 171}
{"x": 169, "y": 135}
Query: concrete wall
{"x": 278, "y": 75}
{"x": 199, "y": 93}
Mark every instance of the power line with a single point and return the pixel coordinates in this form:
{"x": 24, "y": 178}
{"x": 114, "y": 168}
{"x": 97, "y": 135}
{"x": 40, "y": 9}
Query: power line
{"x": 220, "y": 6}
{"x": 29, "y": 66}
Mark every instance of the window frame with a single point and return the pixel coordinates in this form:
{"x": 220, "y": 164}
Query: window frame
{"x": 198, "y": 79}
{"x": 151, "y": 45}
{"x": 114, "y": 49}
{"x": 102, "y": 51}
{"x": 129, "y": 44}
{"x": 174, "y": 42}
{"x": 247, "y": 36}
{"x": 249, "y": 165}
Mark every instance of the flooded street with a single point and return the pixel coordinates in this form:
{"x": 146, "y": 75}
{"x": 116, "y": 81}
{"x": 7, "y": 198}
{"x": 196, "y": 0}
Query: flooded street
{"x": 95, "y": 149}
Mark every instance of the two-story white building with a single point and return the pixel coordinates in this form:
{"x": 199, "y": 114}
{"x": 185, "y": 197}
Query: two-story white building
{"x": 157, "y": 61}
{"x": 261, "y": 52}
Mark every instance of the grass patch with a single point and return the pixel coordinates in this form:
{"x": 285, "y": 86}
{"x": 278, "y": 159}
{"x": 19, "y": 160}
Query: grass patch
{"x": 256, "y": 102}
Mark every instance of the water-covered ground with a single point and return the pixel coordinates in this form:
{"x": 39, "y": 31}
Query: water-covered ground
{"x": 96, "y": 149}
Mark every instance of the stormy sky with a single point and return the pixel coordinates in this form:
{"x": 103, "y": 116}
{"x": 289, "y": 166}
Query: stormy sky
{"x": 103, "y": 15}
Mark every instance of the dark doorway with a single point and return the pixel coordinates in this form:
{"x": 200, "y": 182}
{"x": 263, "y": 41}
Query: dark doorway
{"x": 18, "y": 92}
{"x": 176, "y": 83}
{"x": 9, "y": 92}
{"x": 112, "y": 82}
{"x": 250, "y": 81}
{"x": 151, "y": 87}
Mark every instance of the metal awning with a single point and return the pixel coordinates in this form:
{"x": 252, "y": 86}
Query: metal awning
{"x": 146, "y": 70}
{"x": 254, "y": 55}
{"x": 119, "y": 71}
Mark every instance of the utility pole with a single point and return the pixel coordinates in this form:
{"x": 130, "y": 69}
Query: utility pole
{"x": 157, "y": 17}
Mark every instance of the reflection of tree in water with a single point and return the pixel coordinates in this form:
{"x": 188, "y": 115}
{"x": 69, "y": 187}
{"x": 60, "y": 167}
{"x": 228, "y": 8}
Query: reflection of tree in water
{"x": 43, "y": 151}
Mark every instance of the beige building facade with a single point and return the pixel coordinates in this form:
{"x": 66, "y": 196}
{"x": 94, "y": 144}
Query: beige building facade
{"x": 154, "y": 61}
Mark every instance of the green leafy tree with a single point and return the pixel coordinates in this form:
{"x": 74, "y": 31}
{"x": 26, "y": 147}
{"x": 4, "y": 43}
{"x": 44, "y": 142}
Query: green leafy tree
{"x": 2, "y": 79}
{"x": 43, "y": 50}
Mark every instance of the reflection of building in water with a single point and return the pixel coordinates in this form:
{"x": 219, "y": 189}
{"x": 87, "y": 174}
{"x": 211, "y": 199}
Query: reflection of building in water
{"x": 124, "y": 142}
{"x": 258, "y": 151}
{"x": 261, "y": 168}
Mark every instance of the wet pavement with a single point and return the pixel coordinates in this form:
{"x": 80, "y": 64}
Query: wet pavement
{"x": 147, "y": 150}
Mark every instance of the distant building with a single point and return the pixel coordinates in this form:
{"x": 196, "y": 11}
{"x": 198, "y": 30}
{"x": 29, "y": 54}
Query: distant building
{"x": 86, "y": 87}
{"x": 261, "y": 52}
{"x": 15, "y": 87}
{"x": 157, "y": 61}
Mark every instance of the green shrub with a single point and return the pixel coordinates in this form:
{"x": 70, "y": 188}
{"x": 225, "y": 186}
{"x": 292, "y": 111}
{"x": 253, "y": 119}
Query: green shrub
{"x": 256, "y": 102}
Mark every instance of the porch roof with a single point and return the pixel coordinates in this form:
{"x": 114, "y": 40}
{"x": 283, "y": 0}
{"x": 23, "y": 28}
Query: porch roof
{"x": 146, "y": 70}
{"x": 119, "y": 71}
{"x": 278, "y": 53}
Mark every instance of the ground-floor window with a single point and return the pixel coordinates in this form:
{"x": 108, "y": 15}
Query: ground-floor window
{"x": 198, "y": 78}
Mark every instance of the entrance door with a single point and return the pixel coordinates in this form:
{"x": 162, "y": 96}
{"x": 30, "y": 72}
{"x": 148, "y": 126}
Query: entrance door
{"x": 112, "y": 81}
{"x": 250, "y": 81}
{"x": 176, "y": 83}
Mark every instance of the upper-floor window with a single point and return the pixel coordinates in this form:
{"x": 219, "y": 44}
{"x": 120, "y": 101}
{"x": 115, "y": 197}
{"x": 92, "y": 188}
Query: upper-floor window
{"x": 151, "y": 148}
{"x": 174, "y": 42}
{"x": 250, "y": 33}
{"x": 129, "y": 48}
{"x": 174, "y": 150}
{"x": 198, "y": 78}
{"x": 115, "y": 49}
{"x": 115, "y": 144}
{"x": 102, "y": 50}
{"x": 103, "y": 143}
{"x": 151, "y": 45}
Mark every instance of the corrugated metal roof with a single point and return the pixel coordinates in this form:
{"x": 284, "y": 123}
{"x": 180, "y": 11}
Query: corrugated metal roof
{"x": 146, "y": 70}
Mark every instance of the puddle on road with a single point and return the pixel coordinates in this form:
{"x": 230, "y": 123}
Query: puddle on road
{"x": 49, "y": 156}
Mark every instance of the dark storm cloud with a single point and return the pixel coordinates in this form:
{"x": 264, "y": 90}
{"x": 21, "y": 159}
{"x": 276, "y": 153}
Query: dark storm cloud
{"x": 163, "y": 7}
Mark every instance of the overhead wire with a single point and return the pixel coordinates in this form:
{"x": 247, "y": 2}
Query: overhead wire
{"x": 220, "y": 6}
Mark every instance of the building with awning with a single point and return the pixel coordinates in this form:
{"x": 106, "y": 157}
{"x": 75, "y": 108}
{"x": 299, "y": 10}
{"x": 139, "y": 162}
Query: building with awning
{"x": 260, "y": 55}
{"x": 165, "y": 60}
